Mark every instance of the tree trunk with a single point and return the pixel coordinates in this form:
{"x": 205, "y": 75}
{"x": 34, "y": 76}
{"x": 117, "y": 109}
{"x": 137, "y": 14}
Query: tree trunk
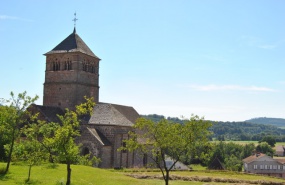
{"x": 29, "y": 175}
{"x": 10, "y": 152}
{"x": 166, "y": 177}
{"x": 68, "y": 173}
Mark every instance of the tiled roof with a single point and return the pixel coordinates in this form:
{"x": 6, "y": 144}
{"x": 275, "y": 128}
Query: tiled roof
{"x": 49, "y": 113}
{"x": 253, "y": 157}
{"x": 111, "y": 114}
{"x": 99, "y": 136}
{"x": 279, "y": 148}
{"x": 280, "y": 160}
{"x": 73, "y": 43}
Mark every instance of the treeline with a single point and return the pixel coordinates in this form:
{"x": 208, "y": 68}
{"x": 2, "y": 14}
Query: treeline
{"x": 278, "y": 122}
{"x": 235, "y": 131}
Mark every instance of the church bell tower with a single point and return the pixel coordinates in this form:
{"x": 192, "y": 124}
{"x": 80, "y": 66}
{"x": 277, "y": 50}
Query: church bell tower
{"x": 72, "y": 72}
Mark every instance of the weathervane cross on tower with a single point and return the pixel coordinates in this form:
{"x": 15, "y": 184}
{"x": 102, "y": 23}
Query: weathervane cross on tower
{"x": 74, "y": 20}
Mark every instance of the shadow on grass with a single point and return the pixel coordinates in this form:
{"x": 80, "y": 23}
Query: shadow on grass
{"x": 32, "y": 182}
{"x": 51, "y": 165}
{"x": 4, "y": 177}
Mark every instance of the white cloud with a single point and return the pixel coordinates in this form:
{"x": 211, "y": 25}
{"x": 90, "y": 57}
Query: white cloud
{"x": 7, "y": 17}
{"x": 213, "y": 87}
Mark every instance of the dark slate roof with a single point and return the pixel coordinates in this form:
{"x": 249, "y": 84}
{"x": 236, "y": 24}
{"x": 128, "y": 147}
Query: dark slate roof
{"x": 216, "y": 165}
{"x": 111, "y": 114}
{"x": 48, "y": 113}
{"x": 73, "y": 43}
{"x": 99, "y": 136}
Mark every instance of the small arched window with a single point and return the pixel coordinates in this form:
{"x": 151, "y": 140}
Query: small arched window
{"x": 85, "y": 151}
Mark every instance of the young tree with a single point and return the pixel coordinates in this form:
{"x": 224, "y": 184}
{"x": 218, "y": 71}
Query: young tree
{"x": 62, "y": 139}
{"x": 165, "y": 138}
{"x": 12, "y": 116}
{"x": 29, "y": 149}
{"x": 232, "y": 163}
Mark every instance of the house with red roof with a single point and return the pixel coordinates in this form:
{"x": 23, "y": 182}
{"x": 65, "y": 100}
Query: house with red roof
{"x": 259, "y": 163}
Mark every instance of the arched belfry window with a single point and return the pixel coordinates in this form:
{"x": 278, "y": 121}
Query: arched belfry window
{"x": 84, "y": 66}
{"x": 56, "y": 66}
{"x": 67, "y": 65}
{"x": 91, "y": 69}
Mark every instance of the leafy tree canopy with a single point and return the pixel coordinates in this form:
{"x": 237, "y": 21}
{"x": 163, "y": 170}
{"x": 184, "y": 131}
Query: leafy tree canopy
{"x": 165, "y": 138}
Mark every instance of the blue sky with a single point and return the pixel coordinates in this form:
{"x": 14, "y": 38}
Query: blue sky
{"x": 220, "y": 59}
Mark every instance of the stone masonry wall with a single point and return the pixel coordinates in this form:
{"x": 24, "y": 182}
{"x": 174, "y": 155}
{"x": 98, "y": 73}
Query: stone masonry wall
{"x": 66, "y": 86}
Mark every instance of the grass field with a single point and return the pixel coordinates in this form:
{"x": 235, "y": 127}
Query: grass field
{"x": 83, "y": 175}
{"x": 255, "y": 142}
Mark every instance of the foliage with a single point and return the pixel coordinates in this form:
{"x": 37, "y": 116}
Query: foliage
{"x": 278, "y": 122}
{"x": 12, "y": 117}
{"x": 164, "y": 138}
{"x": 61, "y": 137}
{"x": 269, "y": 139}
{"x": 232, "y": 163}
{"x": 87, "y": 161}
{"x": 242, "y": 131}
{"x": 235, "y": 131}
{"x": 265, "y": 148}
{"x": 231, "y": 154}
{"x": 30, "y": 152}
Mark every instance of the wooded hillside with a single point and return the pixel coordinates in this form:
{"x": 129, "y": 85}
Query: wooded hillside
{"x": 238, "y": 131}
{"x": 279, "y": 122}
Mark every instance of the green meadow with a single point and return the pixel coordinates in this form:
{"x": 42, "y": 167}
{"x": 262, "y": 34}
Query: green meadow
{"x": 84, "y": 175}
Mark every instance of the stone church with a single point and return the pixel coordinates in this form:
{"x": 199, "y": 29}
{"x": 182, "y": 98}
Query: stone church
{"x": 72, "y": 72}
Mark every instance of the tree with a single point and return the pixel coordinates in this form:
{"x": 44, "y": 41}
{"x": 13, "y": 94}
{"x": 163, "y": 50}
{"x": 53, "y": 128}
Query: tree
{"x": 29, "y": 148}
{"x": 61, "y": 138}
{"x": 12, "y": 117}
{"x": 232, "y": 163}
{"x": 166, "y": 139}
{"x": 268, "y": 139}
{"x": 265, "y": 148}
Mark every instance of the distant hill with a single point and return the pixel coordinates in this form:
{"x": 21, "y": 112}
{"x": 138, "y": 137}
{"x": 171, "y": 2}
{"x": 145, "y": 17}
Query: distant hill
{"x": 278, "y": 122}
{"x": 240, "y": 131}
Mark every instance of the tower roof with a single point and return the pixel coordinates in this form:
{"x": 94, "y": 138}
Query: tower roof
{"x": 73, "y": 43}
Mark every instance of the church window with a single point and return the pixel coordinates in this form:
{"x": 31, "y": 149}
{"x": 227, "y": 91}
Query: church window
{"x": 67, "y": 65}
{"x": 56, "y": 66}
{"x": 85, "y": 151}
{"x": 85, "y": 66}
{"x": 124, "y": 145}
{"x": 91, "y": 69}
